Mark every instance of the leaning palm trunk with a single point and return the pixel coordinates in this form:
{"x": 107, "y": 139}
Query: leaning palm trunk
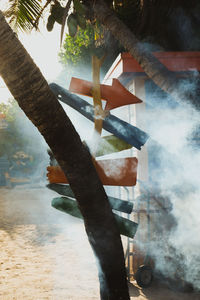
{"x": 34, "y": 96}
{"x": 182, "y": 89}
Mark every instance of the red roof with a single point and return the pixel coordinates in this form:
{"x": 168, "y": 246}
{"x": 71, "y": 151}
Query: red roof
{"x": 174, "y": 61}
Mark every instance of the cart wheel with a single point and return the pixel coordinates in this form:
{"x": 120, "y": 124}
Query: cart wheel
{"x": 144, "y": 276}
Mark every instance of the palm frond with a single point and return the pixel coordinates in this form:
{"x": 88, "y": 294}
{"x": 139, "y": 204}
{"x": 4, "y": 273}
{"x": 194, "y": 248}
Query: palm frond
{"x": 23, "y": 13}
{"x": 41, "y": 12}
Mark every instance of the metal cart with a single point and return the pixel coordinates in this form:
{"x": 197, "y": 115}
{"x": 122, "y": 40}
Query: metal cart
{"x": 139, "y": 262}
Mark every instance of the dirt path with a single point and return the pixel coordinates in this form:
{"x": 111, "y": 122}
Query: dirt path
{"x": 45, "y": 254}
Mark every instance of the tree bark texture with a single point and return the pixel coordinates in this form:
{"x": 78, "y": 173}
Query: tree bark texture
{"x": 35, "y": 98}
{"x": 184, "y": 90}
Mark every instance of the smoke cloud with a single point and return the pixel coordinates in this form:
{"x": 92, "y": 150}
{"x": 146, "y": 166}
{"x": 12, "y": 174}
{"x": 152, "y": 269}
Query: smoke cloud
{"x": 174, "y": 174}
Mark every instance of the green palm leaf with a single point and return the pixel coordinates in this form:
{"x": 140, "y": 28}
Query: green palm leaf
{"x": 23, "y": 13}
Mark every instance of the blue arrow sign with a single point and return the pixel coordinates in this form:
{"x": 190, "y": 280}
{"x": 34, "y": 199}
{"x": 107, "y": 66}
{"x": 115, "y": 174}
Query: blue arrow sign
{"x": 123, "y": 130}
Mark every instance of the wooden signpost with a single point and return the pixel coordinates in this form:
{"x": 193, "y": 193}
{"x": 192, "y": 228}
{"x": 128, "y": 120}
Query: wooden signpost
{"x": 113, "y": 172}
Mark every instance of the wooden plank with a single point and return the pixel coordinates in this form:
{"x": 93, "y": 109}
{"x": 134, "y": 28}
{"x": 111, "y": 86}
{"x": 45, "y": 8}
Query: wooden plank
{"x": 116, "y": 94}
{"x": 69, "y": 206}
{"x": 110, "y": 144}
{"x": 123, "y": 130}
{"x": 115, "y": 172}
{"x": 115, "y": 203}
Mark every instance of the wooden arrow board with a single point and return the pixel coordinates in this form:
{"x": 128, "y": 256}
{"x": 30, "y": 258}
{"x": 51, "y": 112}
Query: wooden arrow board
{"x": 116, "y": 94}
{"x": 69, "y": 206}
{"x": 116, "y": 172}
{"x": 123, "y": 130}
{"x": 109, "y": 144}
{"x": 115, "y": 203}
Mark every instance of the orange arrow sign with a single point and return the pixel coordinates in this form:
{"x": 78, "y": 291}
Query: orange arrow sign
{"x": 118, "y": 172}
{"x": 116, "y": 94}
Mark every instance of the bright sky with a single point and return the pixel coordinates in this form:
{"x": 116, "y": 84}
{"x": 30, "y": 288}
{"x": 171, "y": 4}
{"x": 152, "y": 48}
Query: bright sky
{"x": 43, "y": 47}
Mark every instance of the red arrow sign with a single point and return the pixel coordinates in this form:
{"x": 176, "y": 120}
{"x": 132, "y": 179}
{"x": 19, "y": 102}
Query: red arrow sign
{"x": 117, "y": 172}
{"x": 116, "y": 94}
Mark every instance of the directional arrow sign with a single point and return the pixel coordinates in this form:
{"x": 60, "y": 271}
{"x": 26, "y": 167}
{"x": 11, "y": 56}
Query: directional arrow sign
{"x": 69, "y": 206}
{"x": 123, "y": 130}
{"x": 109, "y": 144}
{"x": 116, "y": 172}
{"x": 116, "y": 94}
{"x": 115, "y": 203}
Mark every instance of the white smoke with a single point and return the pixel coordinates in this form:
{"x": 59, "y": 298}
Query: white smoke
{"x": 176, "y": 249}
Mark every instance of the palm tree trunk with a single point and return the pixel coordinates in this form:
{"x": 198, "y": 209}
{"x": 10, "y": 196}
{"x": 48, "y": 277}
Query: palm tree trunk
{"x": 34, "y": 96}
{"x": 182, "y": 89}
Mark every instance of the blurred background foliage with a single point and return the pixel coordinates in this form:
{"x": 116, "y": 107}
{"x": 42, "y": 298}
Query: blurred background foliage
{"x": 20, "y": 143}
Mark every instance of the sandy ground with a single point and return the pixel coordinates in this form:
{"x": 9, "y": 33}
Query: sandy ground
{"x": 45, "y": 253}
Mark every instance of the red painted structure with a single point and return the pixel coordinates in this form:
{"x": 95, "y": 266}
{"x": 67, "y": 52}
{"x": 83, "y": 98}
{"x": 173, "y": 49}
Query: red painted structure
{"x": 125, "y": 65}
